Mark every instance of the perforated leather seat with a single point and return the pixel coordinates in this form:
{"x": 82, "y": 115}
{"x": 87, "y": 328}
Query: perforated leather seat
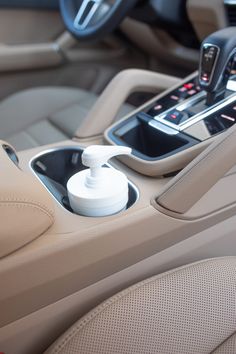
{"x": 189, "y": 310}
{"x": 45, "y": 115}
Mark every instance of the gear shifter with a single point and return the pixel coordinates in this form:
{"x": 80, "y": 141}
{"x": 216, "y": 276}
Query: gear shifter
{"x": 217, "y": 54}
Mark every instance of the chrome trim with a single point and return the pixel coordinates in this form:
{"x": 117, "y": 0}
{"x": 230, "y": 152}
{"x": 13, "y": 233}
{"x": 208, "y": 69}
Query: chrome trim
{"x": 197, "y": 117}
{"x": 79, "y": 148}
{"x": 183, "y": 105}
{"x": 162, "y": 127}
{"x": 94, "y": 6}
{"x": 209, "y": 110}
{"x": 190, "y": 103}
{"x": 231, "y": 85}
{"x": 216, "y": 108}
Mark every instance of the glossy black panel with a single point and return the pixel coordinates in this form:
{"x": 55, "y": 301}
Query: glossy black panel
{"x": 188, "y": 89}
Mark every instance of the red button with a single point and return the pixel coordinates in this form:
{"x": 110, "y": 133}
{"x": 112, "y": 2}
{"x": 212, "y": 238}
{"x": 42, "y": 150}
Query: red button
{"x": 189, "y": 85}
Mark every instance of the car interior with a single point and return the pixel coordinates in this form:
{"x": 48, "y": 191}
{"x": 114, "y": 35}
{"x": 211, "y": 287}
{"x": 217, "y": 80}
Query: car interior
{"x": 118, "y": 172}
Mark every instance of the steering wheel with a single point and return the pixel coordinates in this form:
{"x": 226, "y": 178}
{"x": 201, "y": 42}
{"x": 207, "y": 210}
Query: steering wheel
{"x": 93, "y": 19}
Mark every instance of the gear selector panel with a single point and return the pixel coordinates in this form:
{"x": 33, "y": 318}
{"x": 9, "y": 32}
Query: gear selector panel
{"x": 200, "y": 107}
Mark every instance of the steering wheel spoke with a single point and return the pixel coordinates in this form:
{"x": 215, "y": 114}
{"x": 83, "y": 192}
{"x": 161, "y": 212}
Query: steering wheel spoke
{"x": 86, "y": 12}
{"x": 93, "y": 19}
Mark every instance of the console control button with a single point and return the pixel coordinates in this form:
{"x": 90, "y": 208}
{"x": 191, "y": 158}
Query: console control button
{"x": 174, "y": 117}
{"x": 188, "y": 89}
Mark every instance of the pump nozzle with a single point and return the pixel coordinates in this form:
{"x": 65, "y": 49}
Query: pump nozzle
{"x": 95, "y": 156}
{"x": 98, "y": 155}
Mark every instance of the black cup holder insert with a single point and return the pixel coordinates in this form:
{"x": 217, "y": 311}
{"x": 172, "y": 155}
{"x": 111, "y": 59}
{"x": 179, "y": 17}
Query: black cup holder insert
{"x": 55, "y": 167}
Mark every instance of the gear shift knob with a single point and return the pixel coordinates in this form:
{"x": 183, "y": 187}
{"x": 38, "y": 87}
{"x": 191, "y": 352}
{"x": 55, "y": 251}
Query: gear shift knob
{"x": 217, "y": 54}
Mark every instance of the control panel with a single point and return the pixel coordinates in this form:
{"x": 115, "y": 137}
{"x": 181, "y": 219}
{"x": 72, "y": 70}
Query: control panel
{"x": 186, "y": 104}
{"x": 202, "y": 106}
{"x": 189, "y": 89}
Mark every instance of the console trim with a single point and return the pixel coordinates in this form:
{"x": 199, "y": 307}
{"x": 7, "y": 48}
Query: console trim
{"x": 163, "y": 127}
{"x": 213, "y": 109}
{"x": 186, "y": 103}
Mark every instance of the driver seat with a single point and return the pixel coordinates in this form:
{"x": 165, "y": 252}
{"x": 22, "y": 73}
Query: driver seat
{"x": 45, "y": 115}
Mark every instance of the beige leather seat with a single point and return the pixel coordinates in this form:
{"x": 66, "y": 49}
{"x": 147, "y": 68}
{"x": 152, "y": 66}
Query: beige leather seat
{"x": 189, "y": 310}
{"x": 45, "y": 115}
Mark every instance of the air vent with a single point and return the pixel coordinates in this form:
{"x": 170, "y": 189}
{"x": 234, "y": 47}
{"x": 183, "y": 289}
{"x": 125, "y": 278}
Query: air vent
{"x": 230, "y": 6}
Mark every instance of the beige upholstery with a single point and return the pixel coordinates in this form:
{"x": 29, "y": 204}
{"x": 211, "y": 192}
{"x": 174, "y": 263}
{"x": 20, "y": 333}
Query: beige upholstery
{"x": 191, "y": 309}
{"x": 209, "y": 166}
{"x": 26, "y": 208}
{"x": 44, "y": 115}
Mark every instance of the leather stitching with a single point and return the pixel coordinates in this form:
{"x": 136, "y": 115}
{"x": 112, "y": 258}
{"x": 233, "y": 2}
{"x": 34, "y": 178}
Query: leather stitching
{"x": 30, "y": 203}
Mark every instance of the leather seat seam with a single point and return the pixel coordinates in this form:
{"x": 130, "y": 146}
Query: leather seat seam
{"x": 11, "y": 201}
{"x": 218, "y": 346}
{"x": 54, "y": 125}
{"x": 24, "y": 205}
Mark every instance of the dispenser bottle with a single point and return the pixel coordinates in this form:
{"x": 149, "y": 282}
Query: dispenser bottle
{"x": 99, "y": 191}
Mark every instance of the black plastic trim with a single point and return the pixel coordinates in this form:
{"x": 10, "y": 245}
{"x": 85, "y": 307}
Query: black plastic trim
{"x": 117, "y": 135}
{"x": 55, "y": 167}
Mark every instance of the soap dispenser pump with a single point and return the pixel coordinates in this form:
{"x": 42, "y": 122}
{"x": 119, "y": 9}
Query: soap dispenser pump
{"x": 99, "y": 191}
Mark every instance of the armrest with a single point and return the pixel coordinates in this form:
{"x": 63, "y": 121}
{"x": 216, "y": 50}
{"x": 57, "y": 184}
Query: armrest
{"x": 184, "y": 190}
{"x": 26, "y": 208}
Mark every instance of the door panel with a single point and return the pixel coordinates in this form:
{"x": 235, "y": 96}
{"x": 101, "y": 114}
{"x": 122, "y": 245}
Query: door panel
{"x": 30, "y": 26}
{"x": 38, "y": 51}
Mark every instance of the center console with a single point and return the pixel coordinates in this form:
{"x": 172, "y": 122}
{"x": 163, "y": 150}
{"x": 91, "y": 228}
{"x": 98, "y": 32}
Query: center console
{"x": 173, "y": 124}
{"x": 199, "y": 108}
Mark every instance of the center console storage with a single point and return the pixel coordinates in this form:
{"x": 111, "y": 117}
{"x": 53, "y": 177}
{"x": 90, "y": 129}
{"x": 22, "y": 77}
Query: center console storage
{"x": 149, "y": 140}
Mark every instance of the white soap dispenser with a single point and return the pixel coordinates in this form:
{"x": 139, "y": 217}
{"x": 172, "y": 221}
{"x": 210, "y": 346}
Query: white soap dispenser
{"x": 99, "y": 191}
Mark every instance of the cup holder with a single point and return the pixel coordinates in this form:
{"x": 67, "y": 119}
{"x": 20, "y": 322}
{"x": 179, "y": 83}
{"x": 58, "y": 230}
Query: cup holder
{"x": 55, "y": 167}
